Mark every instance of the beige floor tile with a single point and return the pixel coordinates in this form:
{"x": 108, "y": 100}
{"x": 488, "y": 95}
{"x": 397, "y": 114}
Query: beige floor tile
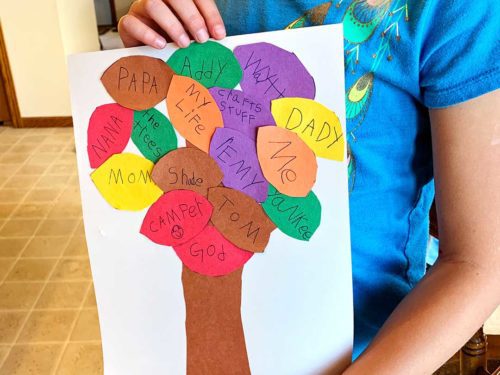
{"x": 52, "y": 181}
{"x": 62, "y": 169}
{"x": 76, "y": 247}
{"x": 74, "y": 181}
{"x": 45, "y": 247}
{"x": 6, "y": 209}
{"x": 12, "y": 247}
{"x": 19, "y": 295}
{"x": 32, "y": 210}
{"x": 70, "y": 195}
{"x": 80, "y": 230}
{"x": 72, "y": 269}
{"x": 4, "y": 350}
{"x": 46, "y": 158}
{"x": 13, "y": 158}
{"x": 21, "y": 181}
{"x": 10, "y": 323}
{"x": 31, "y": 269}
{"x": 43, "y": 326}
{"x": 90, "y": 300}
{"x": 66, "y": 210}
{"x": 81, "y": 358}
{"x": 8, "y": 139}
{"x": 68, "y": 157}
{"x": 87, "y": 326}
{"x": 62, "y": 295}
{"x": 37, "y": 138}
{"x": 43, "y": 195}
{"x": 22, "y": 148}
{"x": 32, "y": 359}
{"x": 3, "y": 179}
{"x": 59, "y": 139}
{"x": 19, "y": 227}
{"x": 5, "y": 266}
{"x": 31, "y": 169}
{"x": 12, "y": 195}
{"x": 9, "y": 169}
{"x": 48, "y": 131}
{"x": 57, "y": 227}
{"x": 49, "y": 148}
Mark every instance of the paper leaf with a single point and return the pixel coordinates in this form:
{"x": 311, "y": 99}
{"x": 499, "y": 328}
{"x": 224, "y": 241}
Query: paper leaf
{"x": 240, "y": 219}
{"x": 193, "y": 111}
{"x": 237, "y": 157}
{"x": 242, "y": 112}
{"x": 187, "y": 168}
{"x": 153, "y": 134}
{"x": 210, "y": 63}
{"x": 318, "y": 127}
{"x": 108, "y": 133}
{"x": 176, "y": 217}
{"x": 270, "y": 72}
{"x": 124, "y": 181}
{"x": 210, "y": 254}
{"x": 286, "y": 161}
{"x": 296, "y": 217}
{"x": 137, "y": 82}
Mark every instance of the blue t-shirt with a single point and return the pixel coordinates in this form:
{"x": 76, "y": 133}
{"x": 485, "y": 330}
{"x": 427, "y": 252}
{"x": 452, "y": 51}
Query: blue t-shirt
{"x": 401, "y": 57}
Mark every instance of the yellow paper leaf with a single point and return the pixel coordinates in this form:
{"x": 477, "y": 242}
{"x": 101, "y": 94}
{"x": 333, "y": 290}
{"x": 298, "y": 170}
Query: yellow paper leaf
{"x": 124, "y": 181}
{"x": 318, "y": 126}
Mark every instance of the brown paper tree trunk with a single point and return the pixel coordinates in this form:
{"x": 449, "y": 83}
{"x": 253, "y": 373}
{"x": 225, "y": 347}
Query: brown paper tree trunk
{"x": 215, "y": 338}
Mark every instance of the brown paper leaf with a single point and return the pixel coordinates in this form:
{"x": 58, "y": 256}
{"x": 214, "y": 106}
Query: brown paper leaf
{"x": 240, "y": 219}
{"x": 286, "y": 161}
{"x": 138, "y": 82}
{"x": 214, "y": 332}
{"x": 187, "y": 168}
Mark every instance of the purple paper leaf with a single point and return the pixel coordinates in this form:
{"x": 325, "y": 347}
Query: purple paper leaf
{"x": 270, "y": 72}
{"x": 236, "y": 155}
{"x": 241, "y": 111}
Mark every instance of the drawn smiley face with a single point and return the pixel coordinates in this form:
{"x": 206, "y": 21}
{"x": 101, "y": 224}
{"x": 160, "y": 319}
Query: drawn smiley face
{"x": 177, "y": 232}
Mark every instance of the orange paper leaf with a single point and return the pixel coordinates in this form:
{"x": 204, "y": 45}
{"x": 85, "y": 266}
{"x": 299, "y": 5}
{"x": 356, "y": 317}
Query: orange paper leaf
{"x": 286, "y": 161}
{"x": 193, "y": 111}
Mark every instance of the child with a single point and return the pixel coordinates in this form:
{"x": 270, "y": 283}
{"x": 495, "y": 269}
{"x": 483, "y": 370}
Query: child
{"x": 414, "y": 68}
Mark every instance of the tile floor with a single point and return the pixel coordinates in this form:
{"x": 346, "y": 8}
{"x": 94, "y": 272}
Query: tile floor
{"x": 48, "y": 315}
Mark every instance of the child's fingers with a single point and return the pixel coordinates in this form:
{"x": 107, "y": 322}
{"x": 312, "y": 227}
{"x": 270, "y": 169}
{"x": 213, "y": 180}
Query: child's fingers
{"x": 160, "y": 13}
{"x": 134, "y": 32}
{"x": 213, "y": 19}
{"x": 191, "y": 18}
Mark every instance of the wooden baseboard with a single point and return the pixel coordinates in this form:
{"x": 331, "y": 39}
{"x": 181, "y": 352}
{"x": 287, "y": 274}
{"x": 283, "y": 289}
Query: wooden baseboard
{"x": 46, "y": 122}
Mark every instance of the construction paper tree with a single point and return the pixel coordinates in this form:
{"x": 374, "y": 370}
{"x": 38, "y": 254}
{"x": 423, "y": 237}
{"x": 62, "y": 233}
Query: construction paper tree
{"x": 249, "y": 166}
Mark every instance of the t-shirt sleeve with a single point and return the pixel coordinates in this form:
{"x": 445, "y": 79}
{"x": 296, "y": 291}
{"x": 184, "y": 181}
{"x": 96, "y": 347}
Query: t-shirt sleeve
{"x": 460, "y": 51}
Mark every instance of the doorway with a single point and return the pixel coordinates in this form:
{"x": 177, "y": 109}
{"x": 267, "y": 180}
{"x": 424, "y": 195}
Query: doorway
{"x": 9, "y": 108}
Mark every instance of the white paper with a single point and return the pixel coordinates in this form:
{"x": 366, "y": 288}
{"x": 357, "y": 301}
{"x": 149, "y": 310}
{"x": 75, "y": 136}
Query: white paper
{"x": 296, "y": 297}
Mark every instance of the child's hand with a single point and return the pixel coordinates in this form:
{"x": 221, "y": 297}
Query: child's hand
{"x": 153, "y": 22}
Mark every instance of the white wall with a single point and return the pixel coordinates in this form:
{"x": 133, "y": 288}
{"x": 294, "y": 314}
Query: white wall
{"x": 78, "y": 24}
{"x": 39, "y": 35}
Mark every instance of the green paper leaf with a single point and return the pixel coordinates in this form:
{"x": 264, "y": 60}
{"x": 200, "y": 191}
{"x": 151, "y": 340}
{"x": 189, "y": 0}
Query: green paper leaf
{"x": 153, "y": 134}
{"x": 210, "y": 63}
{"x": 296, "y": 217}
